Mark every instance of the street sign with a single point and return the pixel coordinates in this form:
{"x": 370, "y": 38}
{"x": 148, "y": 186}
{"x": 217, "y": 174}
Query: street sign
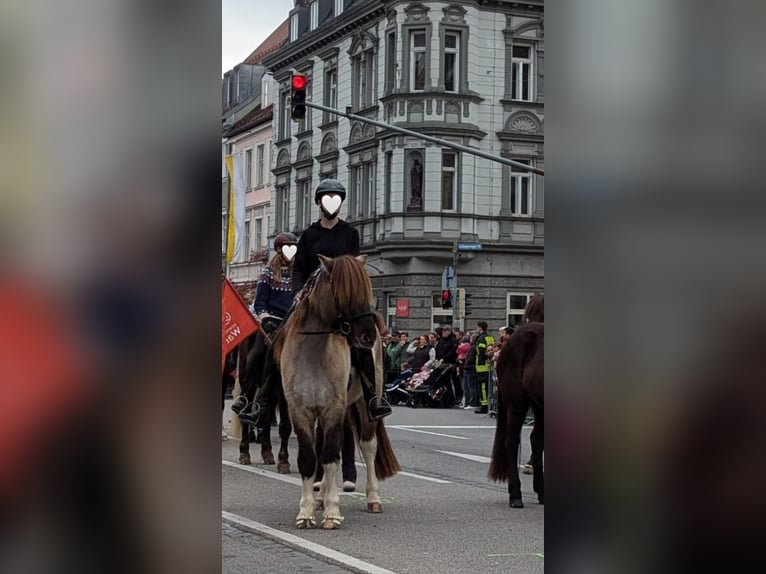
{"x": 469, "y": 246}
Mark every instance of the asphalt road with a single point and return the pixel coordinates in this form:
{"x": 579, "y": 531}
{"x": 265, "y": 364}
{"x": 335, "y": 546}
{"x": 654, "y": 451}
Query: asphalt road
{"x": 440, "y": 515}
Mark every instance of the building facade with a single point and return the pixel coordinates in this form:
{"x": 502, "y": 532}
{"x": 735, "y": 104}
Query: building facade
{"x": 468, "y": 72}
{"x": 247, "y": 129}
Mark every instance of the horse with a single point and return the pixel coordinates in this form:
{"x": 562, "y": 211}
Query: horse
{"x": 248, "y": 368}
{"x": 313, "y": 350}
{"x": 520, "y": 376}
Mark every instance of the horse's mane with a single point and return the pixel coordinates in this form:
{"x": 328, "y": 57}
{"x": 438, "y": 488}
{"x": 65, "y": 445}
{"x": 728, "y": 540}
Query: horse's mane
{"x": 352, "y": 289}
{"x": 535, "y": 310}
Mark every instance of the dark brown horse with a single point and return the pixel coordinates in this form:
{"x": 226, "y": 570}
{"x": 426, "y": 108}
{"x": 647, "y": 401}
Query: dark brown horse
{"x": 313, "y": 350}
{"x": 520, "y": 376}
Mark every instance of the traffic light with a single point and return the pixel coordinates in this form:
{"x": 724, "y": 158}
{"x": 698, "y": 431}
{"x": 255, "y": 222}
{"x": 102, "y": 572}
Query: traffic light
{"x": 467, "y": 304}
{"x": 460, "y": 303}
{"x": 298, "y": 97}
{"x": 446, "y": 299}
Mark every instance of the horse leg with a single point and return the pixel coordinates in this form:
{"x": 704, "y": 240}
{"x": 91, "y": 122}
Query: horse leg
{"x": 329, "y": 459}
{"x": 267, "y": 452}
{"x": 538, "y": 442}
{"x": 516, "y": 414}
{"x": 369, "y": 448}
{"x": 306, "y": 465}
{"x": 244, "y": 445}
{"x": 285, "y": 430}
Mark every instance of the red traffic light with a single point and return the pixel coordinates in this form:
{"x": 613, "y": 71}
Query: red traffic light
{"x": 445, "y": 294}
{"x": 299, "y": 82}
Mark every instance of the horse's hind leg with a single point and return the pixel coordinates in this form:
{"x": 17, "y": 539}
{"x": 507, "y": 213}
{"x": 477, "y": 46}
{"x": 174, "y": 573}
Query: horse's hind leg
{"x": 538, "y": 441}
{"x": 285, "y": 430}
{"x": 329, "y": 459}
{"x": 244, "y": 445}
{"x": 369, "y": 448}
{"x": 267, "y": 449}
{"x": 306, "y": 466}
{"x": 516, "y": 414}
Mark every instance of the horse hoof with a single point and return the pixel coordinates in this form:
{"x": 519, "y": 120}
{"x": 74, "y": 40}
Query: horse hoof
{"x": 305, "y": 523}
{"x": 268, "y": 460}
{"x": 516, "y": 503}
{"x": 332, "y": 523}
{"x": 244, "y": 458}
{"x": 375, "y": 507}
{"x": 319, "y": 504}
{"x": 283, "y": 468}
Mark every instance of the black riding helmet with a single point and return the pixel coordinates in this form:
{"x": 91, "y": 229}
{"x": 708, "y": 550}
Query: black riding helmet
{"x": 329, "y": 186}
{"x": 284, "y": 238}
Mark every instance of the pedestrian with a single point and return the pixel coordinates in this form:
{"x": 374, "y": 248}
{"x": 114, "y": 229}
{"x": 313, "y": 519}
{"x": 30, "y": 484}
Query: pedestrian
{"x": 462, "y": 353}
{"x": 421, "y": 352}
{"x": 404, "y": 355}
{"x": 391, "y": 353}
{"x": 446, "y": 352}
{"x": 483, "y": 361}
{"x": 273, "y": 298}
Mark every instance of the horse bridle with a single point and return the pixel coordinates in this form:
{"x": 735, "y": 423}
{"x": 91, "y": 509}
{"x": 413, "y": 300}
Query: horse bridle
{"x": 343, "y": 325}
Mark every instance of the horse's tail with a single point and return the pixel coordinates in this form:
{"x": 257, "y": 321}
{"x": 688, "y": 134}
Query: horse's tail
{"x": 498, "y": 467}
{"x": 386, "y": 464}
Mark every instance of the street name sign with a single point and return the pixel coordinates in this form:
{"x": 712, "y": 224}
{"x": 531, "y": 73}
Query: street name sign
{"x": 469, "y": 246}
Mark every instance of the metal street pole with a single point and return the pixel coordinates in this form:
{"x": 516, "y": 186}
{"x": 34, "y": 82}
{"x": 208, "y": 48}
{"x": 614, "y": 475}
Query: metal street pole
{"x": 441, "y": 142}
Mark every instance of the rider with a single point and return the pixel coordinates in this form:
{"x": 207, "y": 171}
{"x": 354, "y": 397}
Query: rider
{"x": 273, "y": 297}
{"x": 331, "y": 237}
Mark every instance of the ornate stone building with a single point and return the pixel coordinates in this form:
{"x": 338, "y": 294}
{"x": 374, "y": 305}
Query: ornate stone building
{"x": 470, "y": 72}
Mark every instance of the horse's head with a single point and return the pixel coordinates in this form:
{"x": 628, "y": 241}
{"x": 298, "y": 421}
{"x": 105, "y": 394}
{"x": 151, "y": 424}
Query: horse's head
{"x": 535, "y": 309}
{"x": 351, "y": 291}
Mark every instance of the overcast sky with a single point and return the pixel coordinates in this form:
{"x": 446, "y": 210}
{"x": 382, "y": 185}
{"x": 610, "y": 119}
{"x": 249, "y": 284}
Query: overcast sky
{"x": 247, "y": 23}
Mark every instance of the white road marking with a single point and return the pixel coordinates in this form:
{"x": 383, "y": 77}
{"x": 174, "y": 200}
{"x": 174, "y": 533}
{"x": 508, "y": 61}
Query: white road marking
{"x": 444, "y": 426}
{"x": 474, "y": 457}
{"x": 305, "y": 545}
{"x": 397, "y": 427}
{"x": 413, "y": 475}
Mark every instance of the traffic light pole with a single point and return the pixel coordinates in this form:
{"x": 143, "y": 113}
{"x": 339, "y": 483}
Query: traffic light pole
{"x": 441, "y": 142}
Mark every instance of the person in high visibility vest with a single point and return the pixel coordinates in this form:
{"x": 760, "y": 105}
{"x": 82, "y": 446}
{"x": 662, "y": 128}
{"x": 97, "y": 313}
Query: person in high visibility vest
{"x": 483, "y": 340}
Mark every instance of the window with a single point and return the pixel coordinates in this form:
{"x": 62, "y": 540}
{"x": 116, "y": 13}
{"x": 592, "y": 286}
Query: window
{"x": 258, "y": 232}
{"x": 259, "y": 162}
{"x": 355, "y": 191}
{"x": 265, "y": 91}
{"x": 294, "y": 27}
{"x": 517, "y": 302}
{"x": 452, "y": 62}
{"x": 314, "y": 15}
{"x": 284, "y": 115}
{"x": 521, "y": 197}
{"x": 369, "y": 189}
{"x": 418, "y": 60}
{"x": 521, "y": 73}
{"x": 248, "y": 169}
{"x": 388, "y": 167}
{"x": 390, "y": 62}
{"x": 338, "y": 7}
{"x": 449, "y": 179}
{"x": 303, "y": 211}
{"x": 283, "y": 208}
{"x": 330, "y": 92}
{"x": 236, "y": 89}
{"x": 363, "y": 74}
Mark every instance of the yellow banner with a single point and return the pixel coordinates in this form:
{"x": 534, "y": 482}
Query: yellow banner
{"x": 230, "y": 224}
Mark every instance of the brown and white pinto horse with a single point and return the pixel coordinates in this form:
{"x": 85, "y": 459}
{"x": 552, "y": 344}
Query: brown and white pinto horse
{"x": 313, "y": 349}
{"x": 520, "y": 376}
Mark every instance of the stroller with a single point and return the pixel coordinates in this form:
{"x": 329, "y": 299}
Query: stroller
{"x": 396, "y": 392}
{"x": 434, "y": 391}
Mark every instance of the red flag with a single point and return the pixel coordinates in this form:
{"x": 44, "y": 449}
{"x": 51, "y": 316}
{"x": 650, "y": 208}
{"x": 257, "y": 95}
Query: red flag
{"x": 237, "y": 322}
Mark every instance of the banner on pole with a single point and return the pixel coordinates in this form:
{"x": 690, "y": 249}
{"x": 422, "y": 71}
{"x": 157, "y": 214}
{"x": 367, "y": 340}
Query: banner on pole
{"x": 237, "y": 323}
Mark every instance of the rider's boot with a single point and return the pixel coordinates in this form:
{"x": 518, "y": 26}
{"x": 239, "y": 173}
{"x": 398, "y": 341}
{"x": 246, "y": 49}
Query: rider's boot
{"x": 377, "y": 407}
{"x": 267, "y": 394}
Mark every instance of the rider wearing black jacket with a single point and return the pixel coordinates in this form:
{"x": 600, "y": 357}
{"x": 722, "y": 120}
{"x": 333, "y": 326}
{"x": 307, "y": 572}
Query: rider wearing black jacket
{"x": 331, "y": 237}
